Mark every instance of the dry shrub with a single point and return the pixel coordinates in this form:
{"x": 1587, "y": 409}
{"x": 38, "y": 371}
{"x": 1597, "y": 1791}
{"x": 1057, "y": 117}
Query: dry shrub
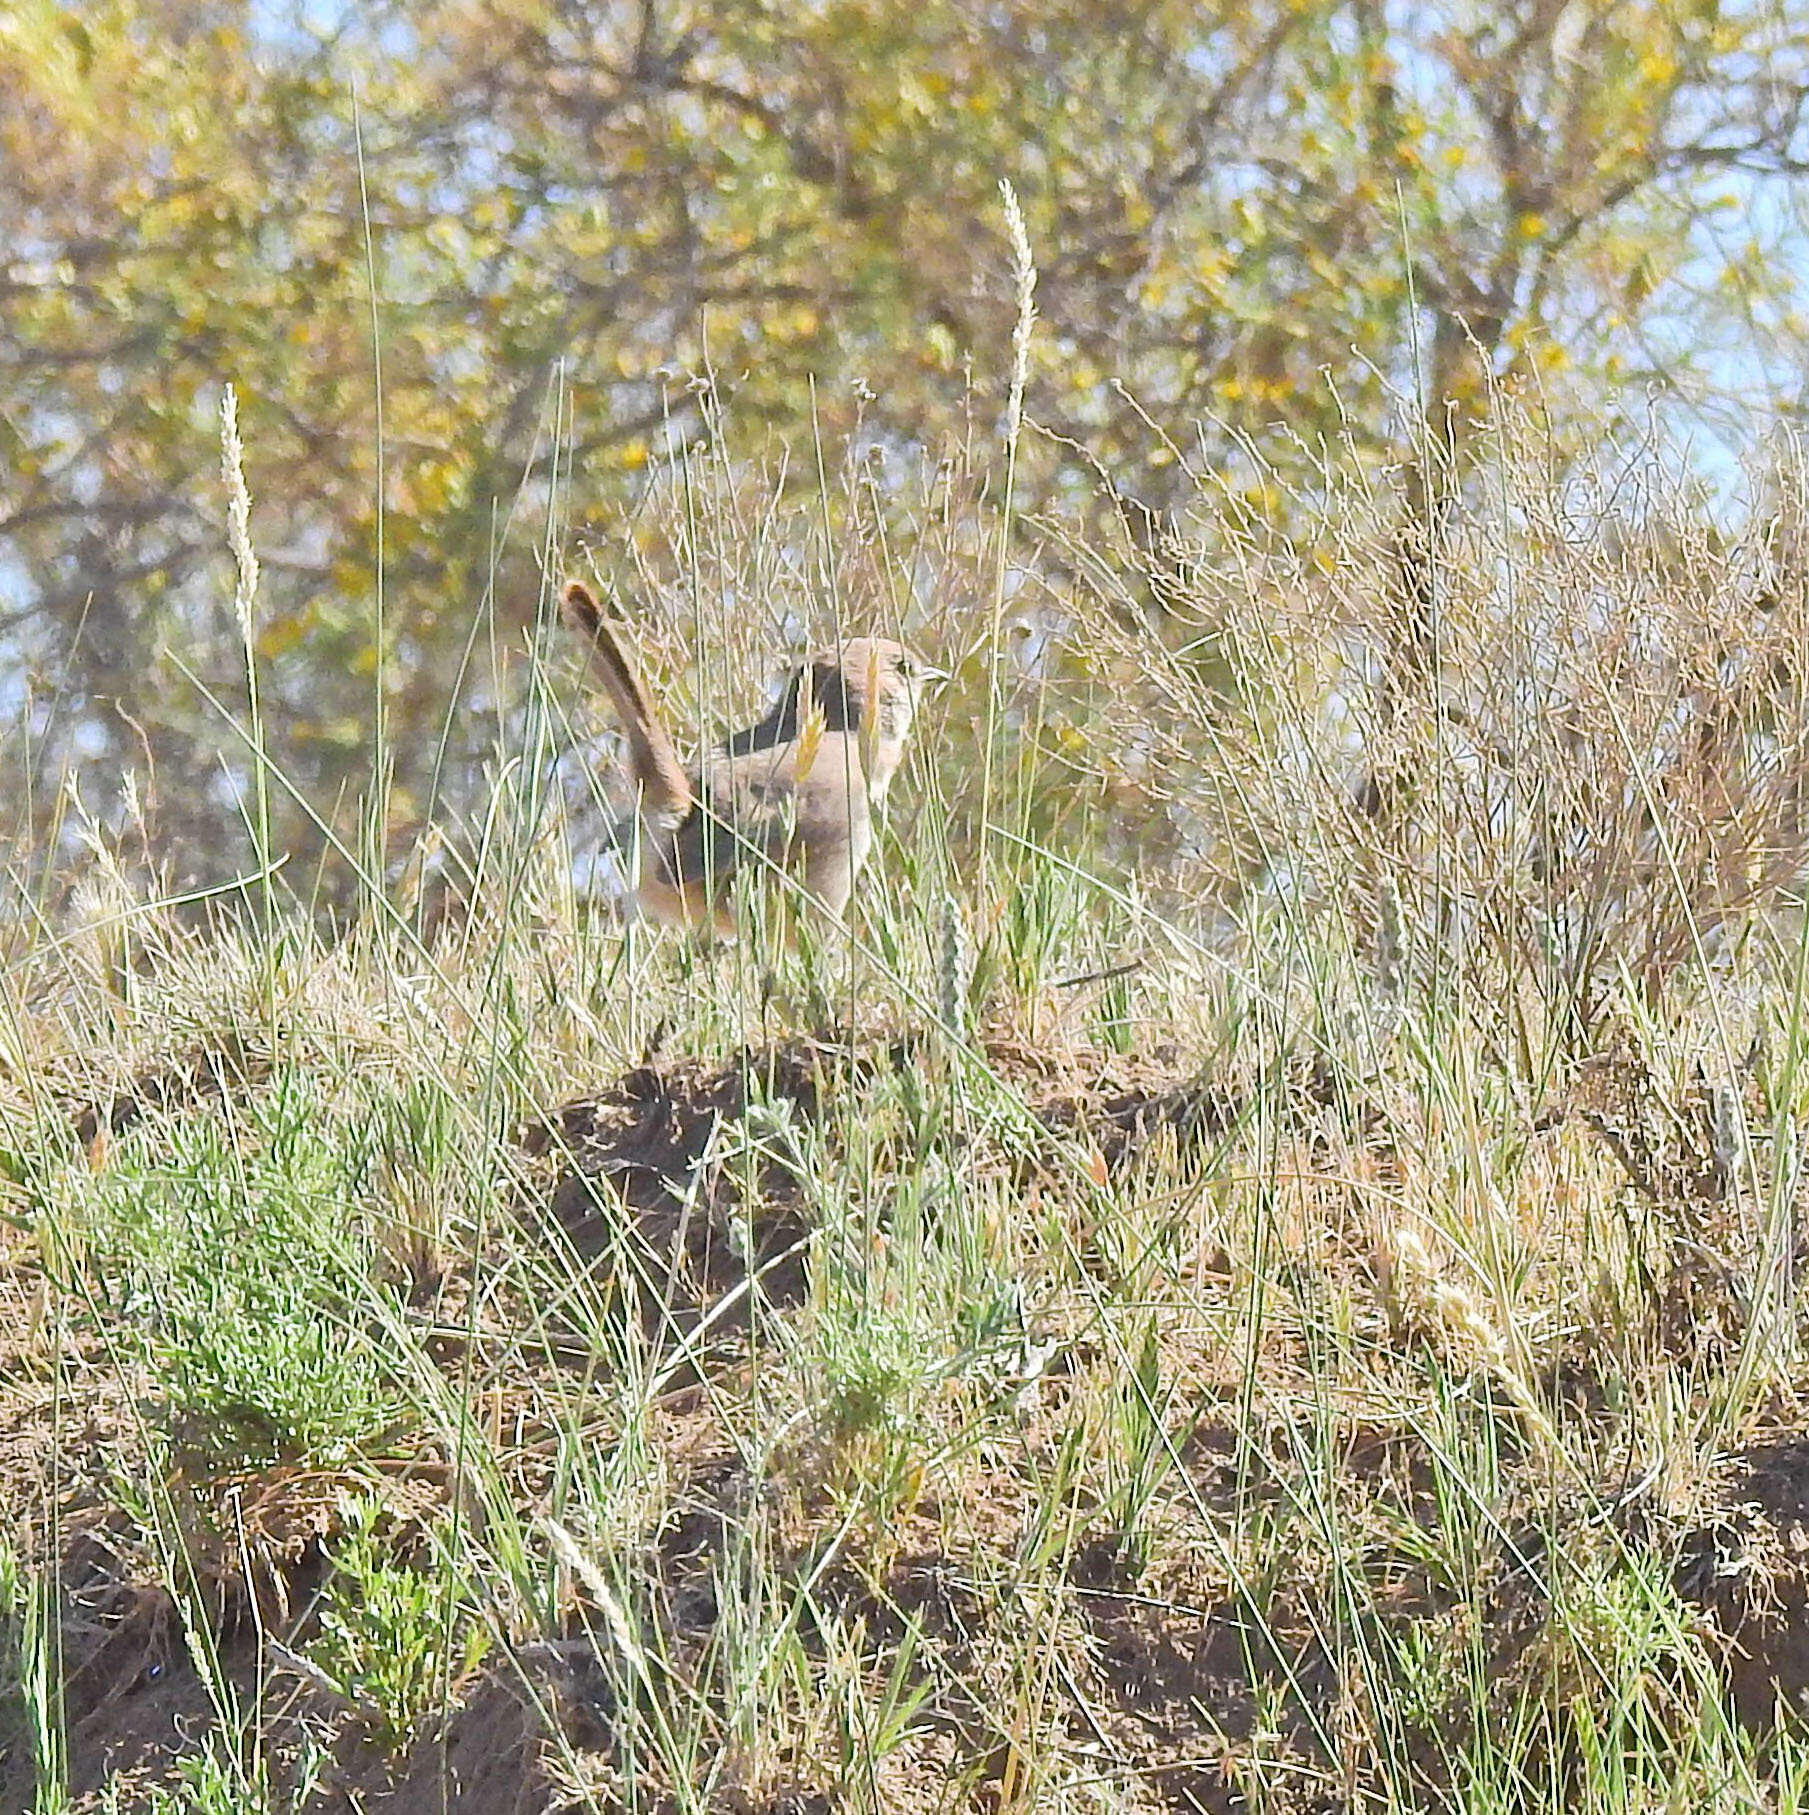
{"x": 1553, "y": 739}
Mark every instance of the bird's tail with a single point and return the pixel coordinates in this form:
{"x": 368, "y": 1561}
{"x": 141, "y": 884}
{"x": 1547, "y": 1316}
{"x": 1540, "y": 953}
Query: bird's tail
{"x": 665, "y": 789}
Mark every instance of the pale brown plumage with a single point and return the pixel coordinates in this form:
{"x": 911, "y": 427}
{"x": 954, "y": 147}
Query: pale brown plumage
{"x": 795, "y": 792}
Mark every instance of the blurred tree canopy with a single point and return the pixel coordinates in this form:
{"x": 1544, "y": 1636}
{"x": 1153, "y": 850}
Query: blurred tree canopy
{"x": 464, "y": 259}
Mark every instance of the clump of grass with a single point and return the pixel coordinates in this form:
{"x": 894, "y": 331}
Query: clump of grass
{"x": 428, "y": 1172}
{"x": 31, "y": 1687}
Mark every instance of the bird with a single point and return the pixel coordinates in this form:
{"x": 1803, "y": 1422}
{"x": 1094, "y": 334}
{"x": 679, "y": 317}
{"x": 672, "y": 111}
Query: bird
{"x": 794, "y": 794}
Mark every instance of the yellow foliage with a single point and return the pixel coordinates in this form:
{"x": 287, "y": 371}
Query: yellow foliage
{"x": 279, "y": 636}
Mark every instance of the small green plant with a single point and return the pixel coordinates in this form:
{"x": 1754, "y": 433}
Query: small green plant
{"x": 207, "y": 1784}
{"x": 878, "y": 1363}
{"x": 393, "y": 1641}
{"x": 232, "y": 1252}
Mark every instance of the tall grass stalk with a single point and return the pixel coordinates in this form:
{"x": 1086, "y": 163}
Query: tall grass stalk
{"x": 244, "y": 607}
{"x": 1023, "y": 271}
{"x": 375, "y": 830}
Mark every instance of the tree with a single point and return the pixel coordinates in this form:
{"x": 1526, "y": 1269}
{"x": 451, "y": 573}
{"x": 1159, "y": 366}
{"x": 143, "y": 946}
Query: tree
{"x": 1287, "y": 223}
